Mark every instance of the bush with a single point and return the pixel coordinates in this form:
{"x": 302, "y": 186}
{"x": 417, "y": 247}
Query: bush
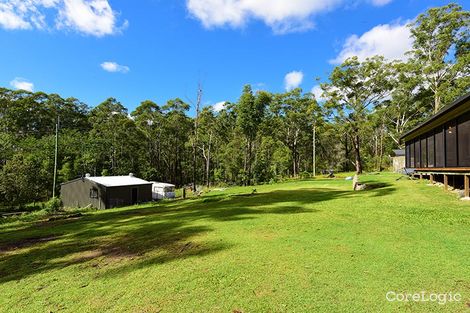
{"x": 53, "y": 205}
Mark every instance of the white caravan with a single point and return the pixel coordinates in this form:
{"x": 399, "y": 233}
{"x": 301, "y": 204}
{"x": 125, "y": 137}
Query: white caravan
{"x": 162, "y": 191}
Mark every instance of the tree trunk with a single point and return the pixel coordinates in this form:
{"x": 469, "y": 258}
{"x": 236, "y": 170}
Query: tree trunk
{"x": 195, "y": 139}
{"x": 294, "y": 170}
{"x": 357, "y": 153}
{"x": 381, "y": 152}
{"x": 209, "y": 160}
{"x": 437, "y": 103}
{"x": 250, "y": 151}
{"x": 194, "y": 165}
{"x": 245, "y": 163}
{"x": 208, "y": 167}
{"x": 347, "y": 165}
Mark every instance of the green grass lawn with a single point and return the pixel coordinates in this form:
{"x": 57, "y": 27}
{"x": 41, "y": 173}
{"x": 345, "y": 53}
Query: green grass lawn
{"x": 301, "y": 246}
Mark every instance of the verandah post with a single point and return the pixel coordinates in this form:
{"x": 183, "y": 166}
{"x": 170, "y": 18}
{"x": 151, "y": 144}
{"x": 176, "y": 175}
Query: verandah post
{"x": 466, "y": 186}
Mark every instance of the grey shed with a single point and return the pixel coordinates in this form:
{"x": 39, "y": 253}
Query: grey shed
{"x": 105, "y": 192}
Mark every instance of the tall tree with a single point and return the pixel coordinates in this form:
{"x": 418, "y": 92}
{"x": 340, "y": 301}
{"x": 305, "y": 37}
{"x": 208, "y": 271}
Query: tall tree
{"x": 250, "y": 112}
{"x": 441, "y": 51}
{"x": 148, "y": 117}
{"x": 207, "y": 134}
{"x": 409, "y": 102}
{"x": 354, "y": 90}
{"x": 177, "y": 130}
{"x": 297, "y": 113}
{"x": 195, "y": 135}
{"x": 116, "y": 136}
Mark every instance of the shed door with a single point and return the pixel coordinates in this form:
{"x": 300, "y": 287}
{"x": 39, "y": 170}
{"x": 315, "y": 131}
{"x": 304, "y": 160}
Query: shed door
{"x": 134, "y": 195}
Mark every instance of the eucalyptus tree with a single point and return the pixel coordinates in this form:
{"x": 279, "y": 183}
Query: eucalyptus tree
{"x": 177, "y": 151}
{"x": 250, "y": 111}
{"x": 409, "y": 102}
{"x": 227, "y": 160}
{"x": 149, "y": 119}
{"x": 298, "y": 114}
{"x": 441, "y": 51}
{"x": 207, "y": 138}
{"x": 354, "y": 90}
{"x": 116, "y": 138}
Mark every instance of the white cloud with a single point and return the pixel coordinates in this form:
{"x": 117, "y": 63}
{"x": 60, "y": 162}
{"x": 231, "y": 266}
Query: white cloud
{"x": 219, "y": 106}
{"x": 9, "y": 19}
{"x": 22, "y": 84}
{"x": 317, "y": 92}
{"x": 389, "y": 40}
{"x": 113, "y": 67}
{"x": 293, "y": 80}
{"x": 91, "y": 17}
{"x": 380, "y": 3}
{"x": 281, "y": 15}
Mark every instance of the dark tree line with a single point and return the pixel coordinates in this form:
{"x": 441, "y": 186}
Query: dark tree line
{"x": 263, "y": 137}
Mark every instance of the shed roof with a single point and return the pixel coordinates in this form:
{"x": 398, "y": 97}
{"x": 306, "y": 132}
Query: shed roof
{"x": 162, "y": 184}
{"x": 456, "y": 108}
{"x": 117, "y": 181}
{"x": 398, "y": 152}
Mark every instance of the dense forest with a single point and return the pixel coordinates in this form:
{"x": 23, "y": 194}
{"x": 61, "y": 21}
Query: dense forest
{"x": 263, "y": 137}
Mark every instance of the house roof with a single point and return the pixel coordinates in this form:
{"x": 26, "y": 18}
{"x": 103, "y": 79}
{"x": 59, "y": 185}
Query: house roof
{"x": 456, "y": 108}
{"x": 117, "y": 181}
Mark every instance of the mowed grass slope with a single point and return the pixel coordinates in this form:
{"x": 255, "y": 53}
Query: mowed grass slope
{"x": 300, "y": 246}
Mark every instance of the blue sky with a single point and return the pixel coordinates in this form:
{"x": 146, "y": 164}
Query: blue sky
{"x": 161, "y": 49}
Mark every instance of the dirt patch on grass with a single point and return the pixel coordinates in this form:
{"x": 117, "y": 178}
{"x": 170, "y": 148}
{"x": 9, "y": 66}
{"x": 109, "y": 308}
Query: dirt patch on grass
{"x": 60, "y": 217}
{"x": 28, "y": 242}
{"x": 103, "y": 256}
{"x": 181, "y": 248}
{"x": 139, "y": 212}
{"x": 85, "y": 256}
{"x": 107, "y": 254}
{"x": 118, "y": 253}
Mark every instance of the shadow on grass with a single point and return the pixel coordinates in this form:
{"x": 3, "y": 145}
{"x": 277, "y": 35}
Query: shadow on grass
{"x": 147, "y": 236}
{"x": 378, "y": 189}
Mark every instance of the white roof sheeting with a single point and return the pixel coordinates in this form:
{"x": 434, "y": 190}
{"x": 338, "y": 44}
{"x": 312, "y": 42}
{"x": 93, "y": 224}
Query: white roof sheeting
{"x": 157, "y": 184}
{"x": 116, "y": 181}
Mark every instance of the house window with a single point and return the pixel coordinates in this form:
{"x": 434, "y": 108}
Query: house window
{"x": 94, "y": 193}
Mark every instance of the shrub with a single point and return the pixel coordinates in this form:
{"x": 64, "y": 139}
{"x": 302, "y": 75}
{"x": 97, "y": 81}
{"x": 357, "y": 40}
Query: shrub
{"x": 53, "y": 205}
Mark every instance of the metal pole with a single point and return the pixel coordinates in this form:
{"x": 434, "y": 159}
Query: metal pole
{"x": 314, "y": 151}
{"x": 55, "y": 155}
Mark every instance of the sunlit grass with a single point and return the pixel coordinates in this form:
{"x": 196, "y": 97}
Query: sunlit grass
{"x": 299, "y": 246}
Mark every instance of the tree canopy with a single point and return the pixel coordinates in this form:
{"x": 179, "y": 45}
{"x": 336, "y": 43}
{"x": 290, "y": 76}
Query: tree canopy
{"x": 263, "y": 137}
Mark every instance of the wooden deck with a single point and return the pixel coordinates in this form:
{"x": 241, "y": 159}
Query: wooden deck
{"x": 446, "y": 171}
